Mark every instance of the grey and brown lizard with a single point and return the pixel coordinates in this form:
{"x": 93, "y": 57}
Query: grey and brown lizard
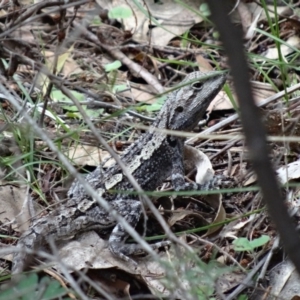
{"x": 154, "y": 157}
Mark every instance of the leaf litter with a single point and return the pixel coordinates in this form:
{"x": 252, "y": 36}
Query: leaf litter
{"x": 170, "y": 44}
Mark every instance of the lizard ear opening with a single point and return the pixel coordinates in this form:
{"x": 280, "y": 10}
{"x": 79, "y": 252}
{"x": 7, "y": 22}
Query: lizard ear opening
{"x": 179, "y": 109}
{"x": 172, "y": 142}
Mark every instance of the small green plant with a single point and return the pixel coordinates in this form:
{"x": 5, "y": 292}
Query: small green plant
{"x": 30, "y": 288}
{"x": 154, "y": 106}
{"x": 121, "y": 12}
{"x": 113, "y": 66}
{"x": 199, "y": 281}
{"x": 242, "y": 297}
{"x": 204, "y": 9}
{"x": 243, "y": 244}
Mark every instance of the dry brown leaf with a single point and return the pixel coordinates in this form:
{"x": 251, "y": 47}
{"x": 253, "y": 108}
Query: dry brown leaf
{"x": 284, "y": 280}
{"x": 285, "y": 173}
{"x": 25, "y": 34}
{"x": 203, "y": 63}
{"x": 245, "y": 15}
{"x": 289, "y": 172}
{"x": 13, "y": 209}
{"x": 87, "y": 251}
{"x": 2, "y": 13}
{"x": 261, "y": 91}
{"x": 272, "y": 53}
{"x": 11, "y": 205}
{"x": 250, "y": 180}
{"x": 71, "y": 68}
{"x": 43, "y": 80}
{"x": 158, "y": 286}
{"x": 84, "y": 155}
{"x": 180, "y": 214}
{"x": 173, "y": 18}
{"x": 91, "y": 252}
{"x": 280, "y": 10}
{"x": 257, "y": 12}
{"x": 144, "y": 94}
{"x": 220, "y": 102}
{"x": 229, "y": 280}
{"x": 215, "y": 201}
{"x": 233, "y": 230}
{"x": 196, "y": 158}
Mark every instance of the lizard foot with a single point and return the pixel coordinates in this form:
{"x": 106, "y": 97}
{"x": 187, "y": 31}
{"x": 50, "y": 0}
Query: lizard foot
{"x": 123, "y": 251}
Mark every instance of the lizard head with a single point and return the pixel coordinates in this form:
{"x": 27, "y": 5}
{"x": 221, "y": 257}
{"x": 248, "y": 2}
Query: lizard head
{"x": 187, "y": 104}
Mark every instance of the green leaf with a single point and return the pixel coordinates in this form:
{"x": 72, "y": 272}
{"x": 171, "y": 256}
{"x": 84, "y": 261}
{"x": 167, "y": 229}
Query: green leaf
{"x": 29, "y": 281}
{"x": 23, "y": 290}
{"x": 94, "y": 113}
{"x": 118, "y": 88}
{"x": 54, "y": 290}
{"x": 96, "y": 21}
{"x": 204, "y": 9}
{"x": 113, "y": 66}
{"x": 184, "y": 41}
{"x": 122, "y": 12}
{"x": 216, "y": 35}
{"x": 58, "y": 96}
{"x": 73, "y": 115}
{"x": 154, "y": 106}
{"x": 260, "y": 241}
{"x": 28, "y": 288}
{"x": 243, "y": 244}
{"x": 242, "y": 297}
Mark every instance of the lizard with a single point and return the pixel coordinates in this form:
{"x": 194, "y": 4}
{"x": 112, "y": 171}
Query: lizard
{"x": 152, "y": 158}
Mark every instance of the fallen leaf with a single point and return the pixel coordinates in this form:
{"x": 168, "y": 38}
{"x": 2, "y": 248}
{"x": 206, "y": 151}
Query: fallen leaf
{"x": 84, "y": 155}
{"x": 215, "y": 201}
{"x": 284, "y": 281}
{"x": 196, "y": 158}
{"x": 289, "y": 172}
{"x": 169, "y": 18}
{"x": 285, "y": 49}
{"x": 180, "y": 214}
{"x": 13, "y": 206}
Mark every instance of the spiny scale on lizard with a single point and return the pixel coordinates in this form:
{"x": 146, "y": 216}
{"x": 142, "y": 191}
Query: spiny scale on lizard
{"x": 154, "y": 157}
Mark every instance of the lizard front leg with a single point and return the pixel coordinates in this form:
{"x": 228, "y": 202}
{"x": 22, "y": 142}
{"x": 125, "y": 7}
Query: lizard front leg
{"x": 131, "y": 211}
{"x": 179, "y": 183}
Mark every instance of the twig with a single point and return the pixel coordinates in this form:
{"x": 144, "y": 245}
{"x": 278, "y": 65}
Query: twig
{"x": 222, "y": 251}
{"x": 268, "y": 259}
{"x": 117, "y": 54}
{"x": 254, "y": 130}
{"x": 246, "y": 282}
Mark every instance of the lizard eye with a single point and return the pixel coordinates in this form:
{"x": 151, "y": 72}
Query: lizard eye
{"x": 179, "y": 109}
{"x": 197, "y": 85}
